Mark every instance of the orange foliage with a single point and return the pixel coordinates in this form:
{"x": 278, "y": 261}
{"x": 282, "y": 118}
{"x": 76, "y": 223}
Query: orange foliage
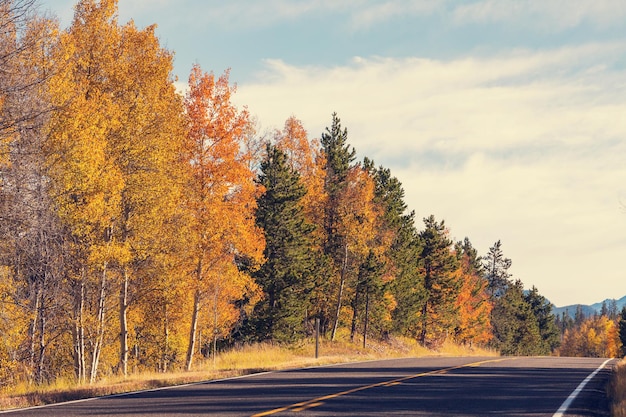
{"x": 221, "y": 199}
{"x": 596, "y": 337}
{"x": 305, "y": 157}
{"x": 474, "y": 309}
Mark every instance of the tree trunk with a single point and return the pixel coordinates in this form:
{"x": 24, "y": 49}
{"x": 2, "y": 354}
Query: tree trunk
{"x": 342, "y": 283}
{"x": 192, "y": 333}
{"x": 79, "y": 330}
{"x": 165, "y": 359}
{"x": 367, "y": 313}
{"x": 355, "y": 313}
{"x": 33, "y": 329}
{"x": 42, "y": 344}
{"x": 97, "y": 346}
{"x": 123, "y": 365}
{"x": 422, "y": 338}
{"x": 215, "y": 328}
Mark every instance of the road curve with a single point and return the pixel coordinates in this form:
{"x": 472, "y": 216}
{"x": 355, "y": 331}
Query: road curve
{"x": 459, "y": 387}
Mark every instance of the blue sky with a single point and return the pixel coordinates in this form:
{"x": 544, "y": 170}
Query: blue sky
{"x": 505, "y": 118}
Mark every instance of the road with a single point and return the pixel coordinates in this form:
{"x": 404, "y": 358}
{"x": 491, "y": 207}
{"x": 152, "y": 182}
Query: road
{"x": 432, "y": 387}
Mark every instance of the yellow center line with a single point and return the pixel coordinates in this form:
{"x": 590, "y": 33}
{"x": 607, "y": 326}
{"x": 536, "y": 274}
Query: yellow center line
{"x": 320, "y": 400}
{"x": 305, "y": 407}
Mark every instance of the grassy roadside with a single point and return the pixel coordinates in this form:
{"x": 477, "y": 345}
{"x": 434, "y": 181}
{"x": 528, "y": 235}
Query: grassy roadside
{"x": 617, "y": 390}
{"x": 238, "y": 361}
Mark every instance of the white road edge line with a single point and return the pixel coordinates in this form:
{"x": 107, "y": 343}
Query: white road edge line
{"x": 563, "y": 409}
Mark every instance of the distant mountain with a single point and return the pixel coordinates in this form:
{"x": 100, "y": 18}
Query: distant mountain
{"x": 589, "y": 310}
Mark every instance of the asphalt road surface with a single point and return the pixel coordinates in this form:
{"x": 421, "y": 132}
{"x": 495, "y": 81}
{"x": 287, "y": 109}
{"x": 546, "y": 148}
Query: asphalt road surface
{"x": 470, "y": 387}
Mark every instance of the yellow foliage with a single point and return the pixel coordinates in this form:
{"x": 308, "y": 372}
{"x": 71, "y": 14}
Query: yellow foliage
{"x": 596, "y": 337}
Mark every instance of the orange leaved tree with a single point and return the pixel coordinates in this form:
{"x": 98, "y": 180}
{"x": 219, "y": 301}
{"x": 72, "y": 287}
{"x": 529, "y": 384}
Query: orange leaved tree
{"x": 221, "y": 198}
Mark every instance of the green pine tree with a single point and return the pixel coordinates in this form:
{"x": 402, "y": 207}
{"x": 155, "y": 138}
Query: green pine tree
{"x": 339, "y": 159}
{"x": 438, "y": 265}
{"x": 496, "y": 268}
{"x": 622, "y": 330}
{"x": 404, "y": 253}
{"x": 287, "y": 274}
{"x": 515, "y": 327}
{"x": 548, "y": 329}
{"x": 466, "y": 249}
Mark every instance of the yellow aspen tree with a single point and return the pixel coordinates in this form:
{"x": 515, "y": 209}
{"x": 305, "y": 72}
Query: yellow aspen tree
{"x": 146, "y": 146}
{"x": 221, "y": 198}
{"x": 31, "y": 247}
{"x": 87, "y": 184}
{"x": 118, "y": 138}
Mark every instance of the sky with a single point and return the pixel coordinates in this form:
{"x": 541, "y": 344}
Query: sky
{"x": 504, "y": 118}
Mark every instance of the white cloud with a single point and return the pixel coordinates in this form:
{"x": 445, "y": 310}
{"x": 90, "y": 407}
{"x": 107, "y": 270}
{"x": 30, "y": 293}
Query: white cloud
{"x": 553, "y": 15}
{"x": 370, "y": 14}
{"x": 526, "y": 147}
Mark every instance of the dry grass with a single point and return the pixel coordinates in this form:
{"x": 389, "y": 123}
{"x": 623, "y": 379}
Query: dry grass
{"x": 238, "y": 361}
{"x": 617, "y": 390}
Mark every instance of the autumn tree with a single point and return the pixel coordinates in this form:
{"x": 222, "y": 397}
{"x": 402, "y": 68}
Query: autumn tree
{"x": 597, "y": 337}
{"x": 287, "y": 275}
{"x": 114, "y": 146}
{"x": 363, "y": 250}
{"x": 305, "y": 157}
{"x": 473, "y": 302}
{"x": 32, "y": 241}
{"x": 221, "y": 197}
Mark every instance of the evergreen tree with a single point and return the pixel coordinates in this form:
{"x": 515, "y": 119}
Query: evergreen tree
{"x": 515, "y": 327}
{"x": 548, "y": 329}
{"x": 408, "y": 286}
{"x": 579, "y": 316}
{"x": 496, "y": 268}
{"x": 465, "y": 249}
{"x": 622, "y": 330}
{"x": 441, "y": 284}
{"x": 604, "y": 310}
{"x": 286, "y": 275}
{"x": 369, "y": 287}
{"x": 402, "y": 251}
{"x": 339, "y": 158}
{"x": 613, "y": 311}
{"x": 564, "y": 322}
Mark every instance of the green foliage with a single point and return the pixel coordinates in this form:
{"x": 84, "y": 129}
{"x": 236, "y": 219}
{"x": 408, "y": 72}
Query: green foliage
{"x": 474, "y": 262}
{"x": 542, "y": 310}
{"x": 408, "y": 286}
{"x": 438, "y": 265}
{"x": 339, "y": 158}
{"x": 515, "y": 327}
{"x": 622, "y": 329}
{"x": 286, "y": 277}
{"x": 496, "y": 268}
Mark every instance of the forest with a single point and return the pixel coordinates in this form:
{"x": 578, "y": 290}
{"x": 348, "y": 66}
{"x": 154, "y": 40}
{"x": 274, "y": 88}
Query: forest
{"x": 142, "y": 228}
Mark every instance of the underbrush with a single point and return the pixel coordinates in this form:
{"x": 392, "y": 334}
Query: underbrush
{"x": 237, "y": 361}
{"x": 617, "y": 390}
